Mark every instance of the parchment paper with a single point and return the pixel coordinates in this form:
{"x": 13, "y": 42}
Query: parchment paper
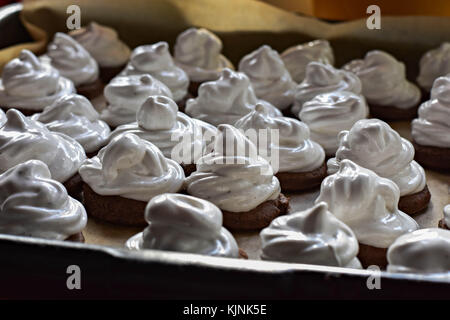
{"x": 244, "y": 25}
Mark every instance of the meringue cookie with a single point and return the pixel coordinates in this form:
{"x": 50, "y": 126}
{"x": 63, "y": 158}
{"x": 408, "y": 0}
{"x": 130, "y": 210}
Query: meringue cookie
{"x": 125, "y": 94}
{"x": 2, "y": 117}
{"x": 75, "y": 116}
{"x": 313, "y": 236}
{"x": 432, "y": 128}
{"x": 197, "y": 52}
{"x": 422, "y": 251}
{"x": 447, "y": 215}
{"x": 434, "y": 64}
{"x": 226, "y": 100}
{"x": 323, "y": 78}
{"x": 156, "y": 61}
{"x": 296, "y": 152}
{"x": 233, "y": 177}
{"x": 34, "y": 205}
{"x": 384, "y": 80}
{"x": 27, "y": 83}
{"x": 367, "y": 203}
{"x": 296, "y": 58}
{"x": 328, "y": 114}
{"x": 269, "y": 77}
{"x": 72, "y": 60}
{"x": 182, "y": 223}
{"x": 103, "y": 44}
{"x": 132, "y": 168}
{"x": 23, "y": 139}
{"x": 373, "y": 144}
{"x": 159, "y": 122}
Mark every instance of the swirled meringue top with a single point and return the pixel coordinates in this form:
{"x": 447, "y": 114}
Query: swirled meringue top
{"x": 226, "y": 100}
{"x": 432, "y": 128}
{"x": 313, "y": 236}
{"x": 233, "y": 177}
{"x": 155, "y": 60}
{"x": 72, "y": 60}
{"x": 34, "y": 205}
{"x": 23, "y": 139}
{"x": 367, "y": 203}
{"x": 384, "y": 80}
{"x": 422, "y": 251}
{"x": 269, "y": 77}
{"x": 293, "y": 150}
{"x": 75, "y": 116}
{"x": 28, "y": 83}
{"x": 197, "y": 52}
{"x": 447, "y": 215}
{"x": 2, "y": 117}
{"x": 323, "y": 78}
{"x": 182, "y": 223}
{"x": 103, "y": 44}
{"x": 327, "y": 114}
{"x": 434, "y": 64}
{"x": 132, "y": 168}
{"x": 296, "y": 58}
{"x": 159, "y": 122}
{"x": 125, "y": 94}
{"x": 373, "y": 144}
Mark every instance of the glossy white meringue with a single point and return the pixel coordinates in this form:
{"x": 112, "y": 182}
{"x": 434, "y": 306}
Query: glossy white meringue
{"x": 226, "y": 100}
{"x": 367, "y": 203}
{"x": 33, "y": 204}
{"x": 384, "y": 80}
{"x": 198, "y": 53}
{"x": 447, "y": 215}
{"x": 23, "y": 139}
{"x": 233, "y": 177}
{"x": 28, "y": 83}
{"x": 269, "y": 77}
{"x": 75, "y": 116}
{"x": 132, "y": 168}
{"x": 434, "y": 64}
{"x": 2, "y": 117}
{"x": 183, "y": 223}
{"x": 373, "y": 144}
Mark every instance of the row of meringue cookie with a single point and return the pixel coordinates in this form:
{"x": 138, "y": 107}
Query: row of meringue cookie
{"x": 356, "y": 222}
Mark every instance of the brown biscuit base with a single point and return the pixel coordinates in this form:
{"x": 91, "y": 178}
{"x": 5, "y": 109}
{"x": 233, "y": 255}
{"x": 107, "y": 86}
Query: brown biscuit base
{"x": 182, "y": 103}
{"x": 188, "y": 168}
{"x": 193, "y": 88}
{"x": 369, "y": 256}
{"x": 76, "y": 238}
{"x": 257, "y": 218}
{"x": 91, "y": 90}
{"x": 114, "y": 209}
{"x": 107, "y": 73}
{"x": 302, "y": 181}
{"x": 389, "y": 113}
{"x": 442, "y": 225}
{"x": 415, "y": 203}
{"x": 433, "y": 157}
{"x": 74, "y": 186}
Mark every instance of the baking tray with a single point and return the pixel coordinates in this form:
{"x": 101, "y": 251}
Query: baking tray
{"x": 36, "y": 268}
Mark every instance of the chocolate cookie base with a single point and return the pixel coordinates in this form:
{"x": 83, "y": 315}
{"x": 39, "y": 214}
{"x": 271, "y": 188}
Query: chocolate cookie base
{"x": 74, "y": 186}
{"x": 257, "y": 218}
{"x": 369, "y": 256}
{"x": 107, "y": 73}
{"x": 389, "y": 113}
{"x": 193, "y": 88}
{"x": 432, "y": 157}
{"x": 415, "y": 203}
{"x": 182, "y": 103}
{"x": 188, "y": 168}
{"x": 442, "y": 225}
{"x": 114, "y": 209}
{"x": 91, "y": 90}
{"x": 302, "y": 181}
{"x": 79, "y": 237}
